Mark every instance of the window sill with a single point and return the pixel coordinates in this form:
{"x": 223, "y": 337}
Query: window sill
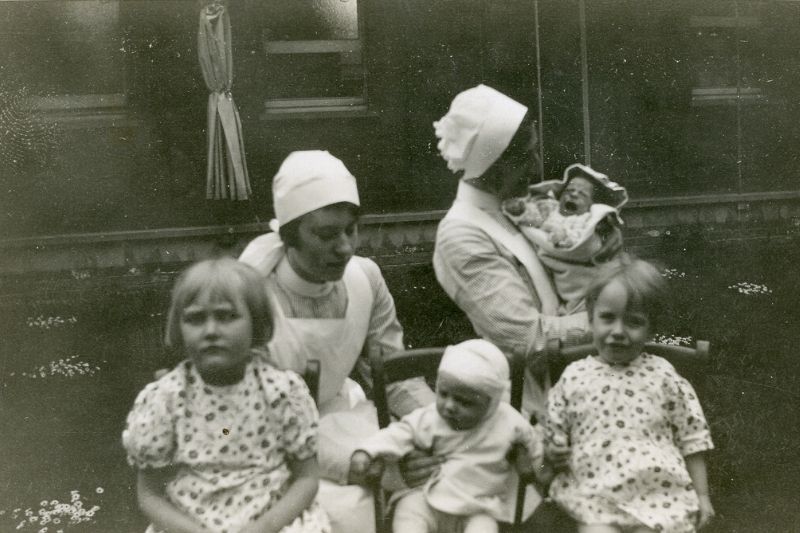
{"x": 721, "y": 96}
{"x": 81, "y": 111}
{"x": 320, "y": 112}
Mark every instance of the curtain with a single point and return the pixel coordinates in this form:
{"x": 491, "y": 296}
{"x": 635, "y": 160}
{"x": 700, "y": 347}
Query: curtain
{"x": 226, "y": 175}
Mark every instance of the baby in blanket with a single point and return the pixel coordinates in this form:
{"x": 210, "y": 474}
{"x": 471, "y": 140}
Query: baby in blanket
{"x": 568, "y": 221}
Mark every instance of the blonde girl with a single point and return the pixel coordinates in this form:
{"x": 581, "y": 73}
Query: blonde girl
{"x": 224, "y": 442}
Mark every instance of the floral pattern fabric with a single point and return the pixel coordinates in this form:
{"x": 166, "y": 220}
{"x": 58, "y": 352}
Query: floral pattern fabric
{"x": 229, "y": 444}
{"x": 629, "y": 428}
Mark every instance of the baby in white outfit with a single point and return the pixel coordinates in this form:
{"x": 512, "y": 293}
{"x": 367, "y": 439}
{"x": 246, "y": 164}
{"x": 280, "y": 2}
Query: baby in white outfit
{"x": 473, "y": 428}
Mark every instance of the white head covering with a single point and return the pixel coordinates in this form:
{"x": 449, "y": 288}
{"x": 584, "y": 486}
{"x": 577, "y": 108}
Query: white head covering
{"x": 305, "y": 182}
{"x": 614, "y": 194}
{"x": 477, "y": 129}
{"x": 309, "y": 180}
{"x": 480, "y": 365}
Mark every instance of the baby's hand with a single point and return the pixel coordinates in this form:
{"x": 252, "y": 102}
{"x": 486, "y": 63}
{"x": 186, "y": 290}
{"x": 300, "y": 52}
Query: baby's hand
{"x": 559, "y": 238}
{"x": 514, "y": 206}
{"x": 363, "y": 468}
{"x": 522, "y": 212}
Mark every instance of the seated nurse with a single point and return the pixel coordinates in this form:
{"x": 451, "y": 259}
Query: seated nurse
{"x": 329, "y": 304}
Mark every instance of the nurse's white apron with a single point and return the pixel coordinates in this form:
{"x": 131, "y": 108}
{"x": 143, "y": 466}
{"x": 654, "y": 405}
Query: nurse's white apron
{"x": 346, "y": 417}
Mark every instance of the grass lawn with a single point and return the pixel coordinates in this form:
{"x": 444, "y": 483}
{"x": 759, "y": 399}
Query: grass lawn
{"x": 75, "y": 350}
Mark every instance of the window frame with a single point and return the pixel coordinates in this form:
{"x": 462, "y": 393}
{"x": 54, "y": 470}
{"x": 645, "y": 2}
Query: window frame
{"x": 723, "y": 95}
{"x": 277, "y": 108}
{"x": 66, "y": 106}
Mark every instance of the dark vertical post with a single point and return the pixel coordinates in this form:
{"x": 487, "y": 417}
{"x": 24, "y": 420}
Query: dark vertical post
{"x": 587, "y": 146}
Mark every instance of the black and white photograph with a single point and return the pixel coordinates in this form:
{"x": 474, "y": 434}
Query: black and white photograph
{"x": 399, "y": 266}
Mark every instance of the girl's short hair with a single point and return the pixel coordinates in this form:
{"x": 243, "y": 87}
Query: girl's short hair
{"x": 643, "y": 281}
{"x": 290, "y": 232}
{"x": 224, "y": 278}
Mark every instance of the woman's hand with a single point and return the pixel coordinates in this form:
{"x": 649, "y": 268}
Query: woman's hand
{"x": 417, "y": 466}
{"x": 706, "y": 511}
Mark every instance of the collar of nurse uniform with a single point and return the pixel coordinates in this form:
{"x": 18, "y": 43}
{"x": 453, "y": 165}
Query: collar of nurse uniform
{"x": 481, "y": 199}
{"x": 292, "y": 281}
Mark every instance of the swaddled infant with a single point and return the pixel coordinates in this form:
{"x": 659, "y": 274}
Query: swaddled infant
{"x": 568, "y": 222}
{"x": 564, "y": 220}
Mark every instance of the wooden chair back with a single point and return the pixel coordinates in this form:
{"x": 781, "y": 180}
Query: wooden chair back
{"x": 400, "y": 366}
{"x": 691, "y": 362}
{"x": 311, "y": 377}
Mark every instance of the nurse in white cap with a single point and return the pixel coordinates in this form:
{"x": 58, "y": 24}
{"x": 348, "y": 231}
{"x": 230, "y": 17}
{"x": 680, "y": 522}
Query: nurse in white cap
{"x": 329, "y": 303}
{"x": 480, "y": 258}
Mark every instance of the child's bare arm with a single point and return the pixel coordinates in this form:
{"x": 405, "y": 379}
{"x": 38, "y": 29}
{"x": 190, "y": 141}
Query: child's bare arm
{"x": 298, "y": 497}
{"x": 156, "y": 506}
{"x": 696, "y": 465}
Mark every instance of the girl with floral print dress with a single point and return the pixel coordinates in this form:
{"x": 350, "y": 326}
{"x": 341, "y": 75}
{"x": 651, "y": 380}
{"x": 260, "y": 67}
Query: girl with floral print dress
{"x": 224, "y": 442}
{"x": 633, "y": 427}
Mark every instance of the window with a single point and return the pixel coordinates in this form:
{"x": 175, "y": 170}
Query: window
{"x": 719, "y": 48}
{"x": 313, "y": 55}
{"x": 63, "y": 55}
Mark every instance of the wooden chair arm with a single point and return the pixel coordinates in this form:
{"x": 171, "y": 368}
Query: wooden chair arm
{"x": 311, "y": 377}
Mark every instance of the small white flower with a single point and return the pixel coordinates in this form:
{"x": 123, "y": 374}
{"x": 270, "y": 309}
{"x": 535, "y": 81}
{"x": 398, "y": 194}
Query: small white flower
{"x": 747, "y": 288}
{"x": 672, "y": 273}
{"x": 99, "y": 490}
{"x": 673, "y": 340}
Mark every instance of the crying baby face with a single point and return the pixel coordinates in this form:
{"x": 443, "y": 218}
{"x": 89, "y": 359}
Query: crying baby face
{"x": 577, "y": 197}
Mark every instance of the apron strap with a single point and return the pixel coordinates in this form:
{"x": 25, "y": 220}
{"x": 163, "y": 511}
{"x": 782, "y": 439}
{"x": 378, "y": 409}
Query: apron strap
{"x": 335, "y": 342}
{"x": 517, "y": 245}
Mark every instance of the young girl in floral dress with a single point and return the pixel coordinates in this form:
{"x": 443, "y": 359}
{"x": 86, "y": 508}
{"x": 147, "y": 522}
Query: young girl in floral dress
{"x": 634, "y": 428}
{"x": 224, "y": 442}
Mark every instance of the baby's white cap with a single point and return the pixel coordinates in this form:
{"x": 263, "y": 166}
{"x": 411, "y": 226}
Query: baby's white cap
{"x": 479, "y": 365}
